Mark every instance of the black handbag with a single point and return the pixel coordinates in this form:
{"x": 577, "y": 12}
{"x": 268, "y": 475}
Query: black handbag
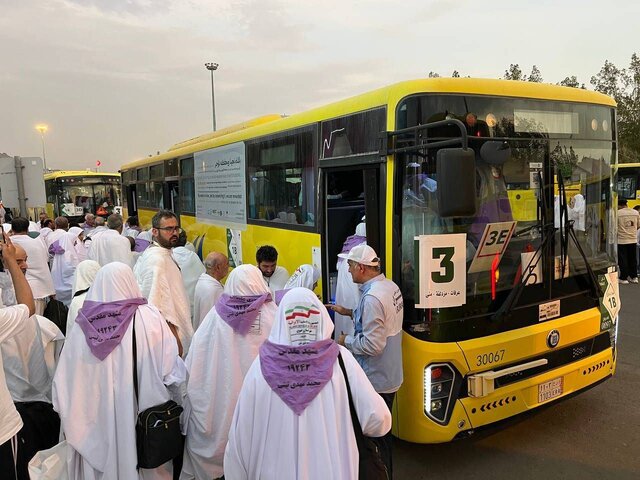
{"x": 370, "y": 465}
{"x": 57, "y": 312}
{"x": 158, "y": 436}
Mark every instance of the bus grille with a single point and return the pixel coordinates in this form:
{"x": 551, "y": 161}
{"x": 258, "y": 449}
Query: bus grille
{"x": 558, "y": 358}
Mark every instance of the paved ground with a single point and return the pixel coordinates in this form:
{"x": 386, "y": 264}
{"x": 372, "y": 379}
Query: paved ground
{"x": 595, "y": 435}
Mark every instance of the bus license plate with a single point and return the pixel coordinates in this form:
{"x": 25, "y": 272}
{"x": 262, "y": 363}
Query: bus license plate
{"x": 550, "y": 389}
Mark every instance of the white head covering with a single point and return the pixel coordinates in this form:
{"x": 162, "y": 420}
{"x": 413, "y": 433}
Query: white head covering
{"x": 44, "y": 233}
{"x": 299, "y": 296}
{"x": 361, "y": 229}
{"x": 305, "y": 276}
{"x": 85, "y": 275}
{"x": 83, "y": 278}
{"x": 115, "y": 281}
{"x": 146, "y": 235}
{"x": 246, "y": 280}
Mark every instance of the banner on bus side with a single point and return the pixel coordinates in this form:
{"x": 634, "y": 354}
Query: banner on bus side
{"x": 441, "y": 273}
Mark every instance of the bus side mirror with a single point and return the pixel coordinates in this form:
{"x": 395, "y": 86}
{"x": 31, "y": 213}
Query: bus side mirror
{"x": 456, "y": 169}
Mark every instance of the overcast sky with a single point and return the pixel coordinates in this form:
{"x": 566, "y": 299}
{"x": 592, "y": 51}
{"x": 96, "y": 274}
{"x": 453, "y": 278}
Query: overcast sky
{"x": 116, "y": 80}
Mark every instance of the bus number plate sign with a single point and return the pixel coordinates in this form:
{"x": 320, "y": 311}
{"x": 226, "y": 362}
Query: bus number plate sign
{"x": 442, "y": 279}
{"x": 551, "y": 389}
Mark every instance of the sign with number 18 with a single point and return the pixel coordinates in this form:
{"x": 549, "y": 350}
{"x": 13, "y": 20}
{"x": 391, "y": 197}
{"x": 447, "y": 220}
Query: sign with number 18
{"x": 442, "y": 276}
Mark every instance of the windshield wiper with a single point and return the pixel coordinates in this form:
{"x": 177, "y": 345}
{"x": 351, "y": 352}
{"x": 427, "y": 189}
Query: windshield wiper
{"x": 569, "y": 233}
{"x": 547, "y": 230}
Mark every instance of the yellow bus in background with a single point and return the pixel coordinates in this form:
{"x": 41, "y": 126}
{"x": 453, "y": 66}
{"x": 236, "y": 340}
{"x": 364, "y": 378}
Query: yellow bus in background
{"x": 74, "y": 193}
{"x": 628, "y": 183}
{"x": 459, "y": 181}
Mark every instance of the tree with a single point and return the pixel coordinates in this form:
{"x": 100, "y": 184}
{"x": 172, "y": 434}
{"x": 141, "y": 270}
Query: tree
{"x": 513, "y": 73}
{"x": 455, "y": 74}
{"x": 535, "y": 75}
{"x": 572, "y": 81}
{"x": 434, "y": 75}
{"x": 624, "y": 86}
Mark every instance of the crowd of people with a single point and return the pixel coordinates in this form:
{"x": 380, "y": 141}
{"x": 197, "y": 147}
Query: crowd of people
{"x": 248, "y": 362}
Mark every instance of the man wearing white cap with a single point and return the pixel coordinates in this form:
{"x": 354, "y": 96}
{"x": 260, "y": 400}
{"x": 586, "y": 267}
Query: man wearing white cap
{"x": 377, "y": 341}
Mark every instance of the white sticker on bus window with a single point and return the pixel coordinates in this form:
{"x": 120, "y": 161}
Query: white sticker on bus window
{"x": 234, "y": 247}
{"x": 547, "y": 311}
{"x": 611, "y": 298}
{"x": 442, "y": 278}
{"x": 495, "y": 239}
{"x": 531, "y": 272}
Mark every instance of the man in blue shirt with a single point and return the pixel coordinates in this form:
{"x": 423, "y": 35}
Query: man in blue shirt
{"x": 377, "y": 341}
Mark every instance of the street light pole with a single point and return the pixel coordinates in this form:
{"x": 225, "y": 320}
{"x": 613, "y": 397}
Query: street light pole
{"x": 212, "y": 67}
{"x": 42, "y": 128}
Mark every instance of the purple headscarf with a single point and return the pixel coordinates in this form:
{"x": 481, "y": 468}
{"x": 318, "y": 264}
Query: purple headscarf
{"x": 298, "y": 374}
{"x": 55, "y": 248}
{"x": 105, "y": 323}
{"x": 279, "y": 294}
{"x": 240, "y": 311}
{"x": 140, "y": 244}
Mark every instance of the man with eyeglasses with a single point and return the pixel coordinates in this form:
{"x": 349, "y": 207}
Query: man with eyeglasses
{"x": 160, "y": 279}
{"x": 377, "y": 341}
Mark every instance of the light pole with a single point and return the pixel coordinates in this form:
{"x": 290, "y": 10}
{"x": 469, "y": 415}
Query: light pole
{"x": 42, "y": 128}
{"x": 212, "y": 67}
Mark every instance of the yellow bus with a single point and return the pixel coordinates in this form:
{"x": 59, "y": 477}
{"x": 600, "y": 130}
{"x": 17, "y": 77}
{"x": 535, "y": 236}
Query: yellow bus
{"x": 628, "y": 183}
{"x": 494, "y": 326}
{"x": 74, "y": 193}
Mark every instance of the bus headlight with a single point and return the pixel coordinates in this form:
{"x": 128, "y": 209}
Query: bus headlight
{"x": 439, "y": 390}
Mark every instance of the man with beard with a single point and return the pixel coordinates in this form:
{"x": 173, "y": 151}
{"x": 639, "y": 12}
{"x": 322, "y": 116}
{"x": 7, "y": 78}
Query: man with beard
{"x": 267, "y": 261}
{"x": 160, "y": 279}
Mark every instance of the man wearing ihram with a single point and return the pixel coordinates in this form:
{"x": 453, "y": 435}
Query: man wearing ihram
{"x": 377, "y": 340}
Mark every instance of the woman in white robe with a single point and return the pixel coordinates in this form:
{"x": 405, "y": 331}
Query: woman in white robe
{"x": 221, "y": 352}
{"x": 95, "y": 397}
{"x": 347, "y": 291}
{"x": 82, "y": 279}
{"x": 305, "y": 276}
{"x": 65, "y": 261}
{"x": 303, "y": 431}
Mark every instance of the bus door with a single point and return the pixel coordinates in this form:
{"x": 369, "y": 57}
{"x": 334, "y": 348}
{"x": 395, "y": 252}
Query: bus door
{"x": 351, "y": 195}
{"x": 171, "y": 196}
{"x": 132, "y": 199}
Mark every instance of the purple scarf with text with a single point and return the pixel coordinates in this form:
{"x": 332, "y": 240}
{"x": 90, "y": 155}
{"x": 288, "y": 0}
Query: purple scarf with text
{"x": 240, "y": 311}
{"x": 298, "y": 374}
{"x": 105, "y": 323}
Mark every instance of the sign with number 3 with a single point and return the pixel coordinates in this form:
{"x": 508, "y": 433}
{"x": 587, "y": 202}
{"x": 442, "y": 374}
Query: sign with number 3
{"x": 442, "y": 278}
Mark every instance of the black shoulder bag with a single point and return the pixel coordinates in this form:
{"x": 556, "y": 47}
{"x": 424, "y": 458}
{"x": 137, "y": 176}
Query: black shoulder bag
{"x": 370, "y": 465}
{"x": 57, "y": 312}
{"x": 158, "y": 436}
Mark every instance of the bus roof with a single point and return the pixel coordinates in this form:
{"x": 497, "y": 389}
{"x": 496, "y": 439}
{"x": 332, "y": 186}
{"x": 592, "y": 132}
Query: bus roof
{"x": 389, "y": 95}
{"x": 77, "y": 173}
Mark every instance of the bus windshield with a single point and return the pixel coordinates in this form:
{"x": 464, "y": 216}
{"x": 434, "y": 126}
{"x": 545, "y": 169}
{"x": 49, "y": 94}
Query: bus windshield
{"x": 515, "y": 196}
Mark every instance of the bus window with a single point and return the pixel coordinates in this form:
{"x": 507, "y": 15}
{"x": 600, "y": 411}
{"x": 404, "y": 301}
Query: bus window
{"x": 282, "y": 179}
